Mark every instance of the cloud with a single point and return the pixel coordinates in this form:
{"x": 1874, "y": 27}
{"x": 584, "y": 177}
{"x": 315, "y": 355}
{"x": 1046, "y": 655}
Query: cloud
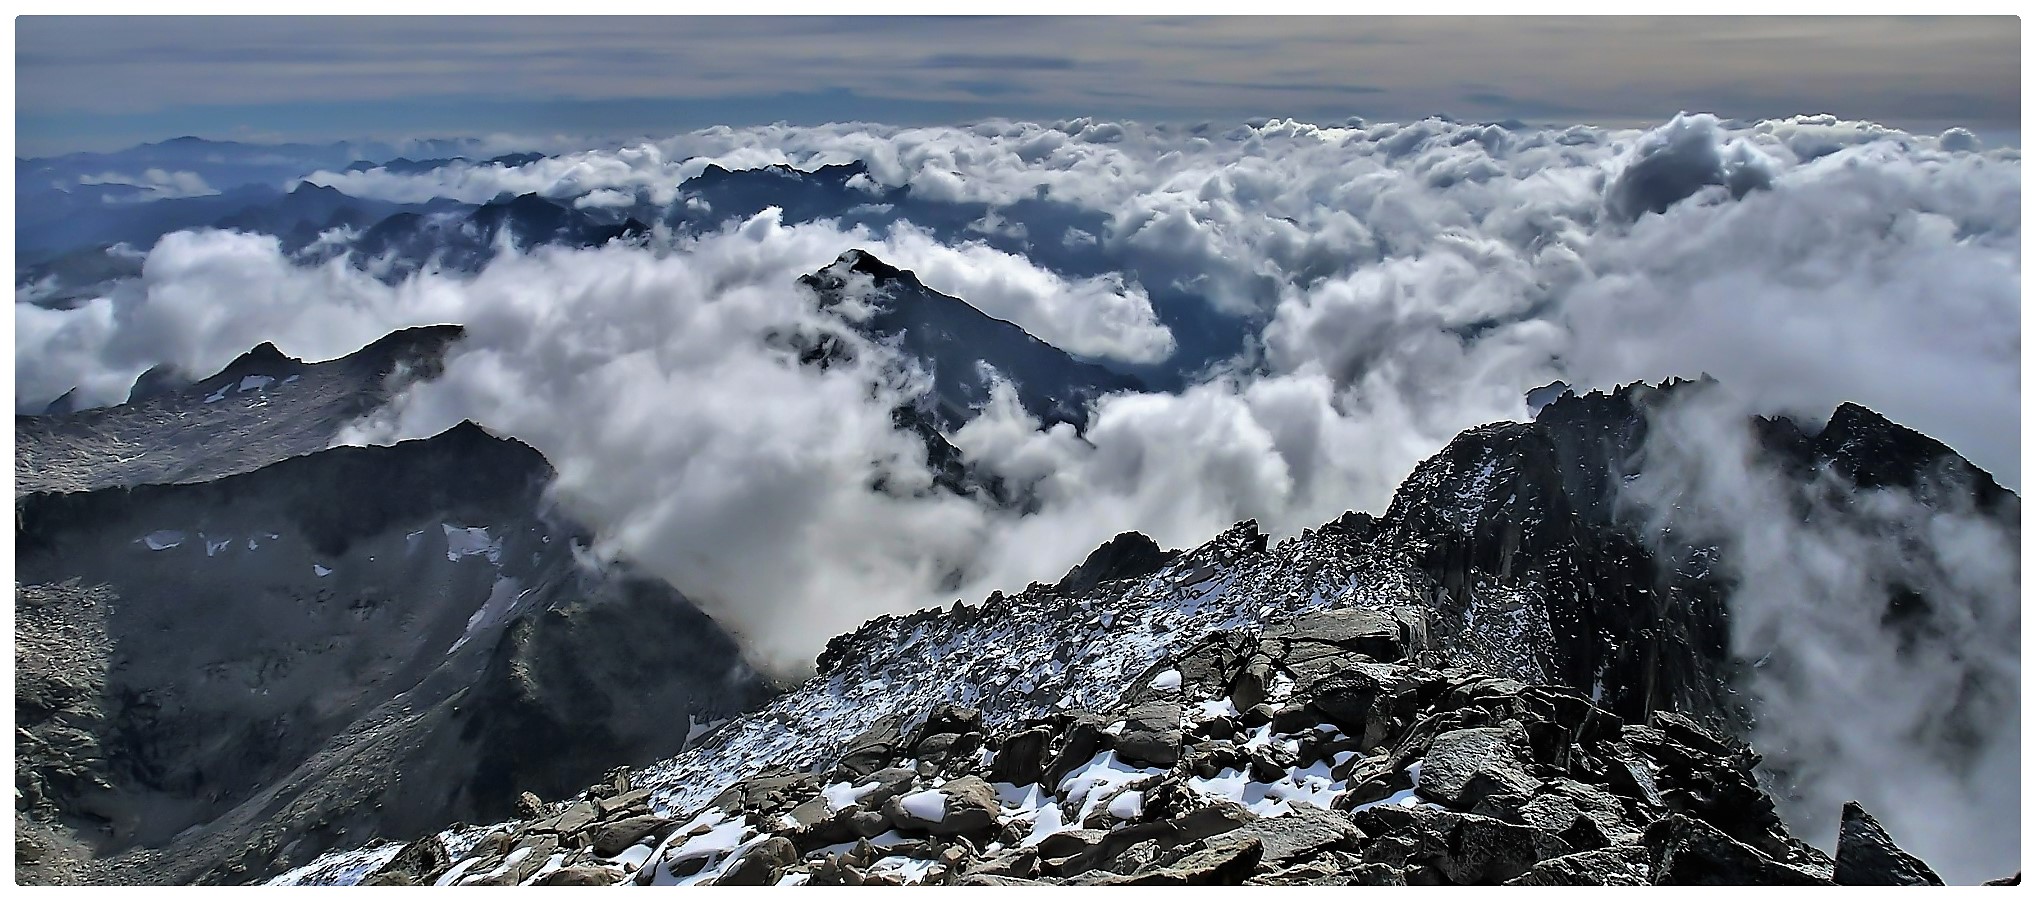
{"x": 1673, "y": 162}
{"x": 1099, "y": 317}
{"x": 1387, "y": 285}
{"x": 160, "y": 184}
{"x": 1919, "y": 723}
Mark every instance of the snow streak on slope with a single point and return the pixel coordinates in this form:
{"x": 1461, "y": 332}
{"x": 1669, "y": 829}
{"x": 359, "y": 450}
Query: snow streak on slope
{"x": 1016, "y": 657}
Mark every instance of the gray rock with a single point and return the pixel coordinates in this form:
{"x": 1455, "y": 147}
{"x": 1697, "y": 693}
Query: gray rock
{"x": 1151, "y": 734}
{"x": 970, "y": 808}
{"x": 1620, "y": 866}
{"x": 1483, "y": 850}
{"x": 1228, "y": 860}
{"x": 1685, "y": 850}
{"x": 1563, "y": 802}
{"x": 1300, "y": 833}
{"x": 1022, "y": 757}
{"x": 947, "y": 718}
{"x": 625, "y": 803}
{"x": 1376, "y": 874}
{"x": 580, "y": 876}
{"x": 421, "y": 862}
{"x": 762, "y": 865}
{"x": 1085, "y": 738}
{"x": 1371, "y": 632}
{"x": 615, "y": 837}
{"x": 986, "y": 880}
{"x": 1866, "y": 855}
{"x": 1014, "y": 862}
{"x": 1249, "y": 688}
{"x": 578, "y": 816}
{"x": 1466, "y": 765}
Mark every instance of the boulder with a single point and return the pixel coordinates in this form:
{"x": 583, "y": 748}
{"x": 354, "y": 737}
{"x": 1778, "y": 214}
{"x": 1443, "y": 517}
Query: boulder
{"x": 1685, "y": 850}
{"x": 1014, "y": 862}
{"x": 1022, "y": 757}
{"x": 1562, "y": 803}
{"x": 576, "y": 817}
{"x": 580, "y": 876}
{"x": 1372, "y": 632}
{"x": 974, "y": 879}
{"x": 1300, "y": 833}
{"x": 1228, "y": 860}
{"x": 1483, "y": 850}
{"x": 1085, "y": 739}
{"x": 1866, "y": 855}
{"x": 1151, "y": 734}
{"x": 1615, "y": 866}
{"x": 945, "y": 719}
{"x": 964, "y": 806}
{"x": 1467, "y": 765}
{"x": 420, "y": 862}
{"x": 762, "y": 865}
{"x": 614, "y": 837}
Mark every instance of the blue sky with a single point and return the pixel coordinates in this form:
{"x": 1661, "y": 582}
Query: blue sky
{"x": 108, "y": 82}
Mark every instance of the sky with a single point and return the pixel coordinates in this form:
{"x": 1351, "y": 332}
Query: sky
{"x": 107, "y": 82}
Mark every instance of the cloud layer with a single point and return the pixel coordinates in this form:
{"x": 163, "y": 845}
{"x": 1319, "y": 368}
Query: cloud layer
{"x": 1389, "y": 285}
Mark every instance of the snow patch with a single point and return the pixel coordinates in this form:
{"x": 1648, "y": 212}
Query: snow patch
{"x": 840, "y": 796}
{"x": 1128, "y": 805}
{"x": 163, "y": 540}
{"x": 926, "y": 806}
{"x": 909, "y": 870}
{"x": 463, "y": 542}
{"x": 500, "y": 600}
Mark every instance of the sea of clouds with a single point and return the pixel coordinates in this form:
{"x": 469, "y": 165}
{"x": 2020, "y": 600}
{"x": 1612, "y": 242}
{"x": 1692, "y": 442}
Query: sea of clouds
{"x": 1390, "y": 285}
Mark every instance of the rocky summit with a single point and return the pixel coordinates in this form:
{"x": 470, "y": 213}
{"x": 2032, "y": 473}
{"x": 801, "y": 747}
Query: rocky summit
{"x": 1341, "y": 748}
{"x": 1498, "y": 682}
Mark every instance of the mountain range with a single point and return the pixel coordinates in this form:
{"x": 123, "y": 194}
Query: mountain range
{"x": 236, "y": 664}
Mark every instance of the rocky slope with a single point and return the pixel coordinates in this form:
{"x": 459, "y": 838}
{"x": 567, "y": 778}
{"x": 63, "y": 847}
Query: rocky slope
{"x": 1507, "y": 560}
{"x": 1337, "y": 749}
{"x": 219, "y": 680}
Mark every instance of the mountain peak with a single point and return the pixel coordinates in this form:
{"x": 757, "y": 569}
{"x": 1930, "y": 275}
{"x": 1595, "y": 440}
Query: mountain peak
{"x": 863, "y": 261}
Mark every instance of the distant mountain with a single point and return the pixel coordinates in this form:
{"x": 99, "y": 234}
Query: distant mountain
{"x": 405, "y": 166}
{"x": 1058, "y": 236}
{"x": 964, "y": 349}
{"x": 261, "y": 408}
{"x": 308, "y": 210}
{"x": 465, "y": 241}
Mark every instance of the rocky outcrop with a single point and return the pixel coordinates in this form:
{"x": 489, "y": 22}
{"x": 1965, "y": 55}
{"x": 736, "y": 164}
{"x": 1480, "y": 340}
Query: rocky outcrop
{"x": 1445, "y": 776}
{"x": 1867, "y": 856}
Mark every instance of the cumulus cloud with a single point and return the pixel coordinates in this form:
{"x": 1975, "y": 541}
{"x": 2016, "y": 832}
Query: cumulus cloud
{"x": 1100, "y": 317}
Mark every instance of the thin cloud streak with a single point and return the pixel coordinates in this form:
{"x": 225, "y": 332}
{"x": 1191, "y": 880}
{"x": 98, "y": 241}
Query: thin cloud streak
{"x": 1923, "y": 74}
